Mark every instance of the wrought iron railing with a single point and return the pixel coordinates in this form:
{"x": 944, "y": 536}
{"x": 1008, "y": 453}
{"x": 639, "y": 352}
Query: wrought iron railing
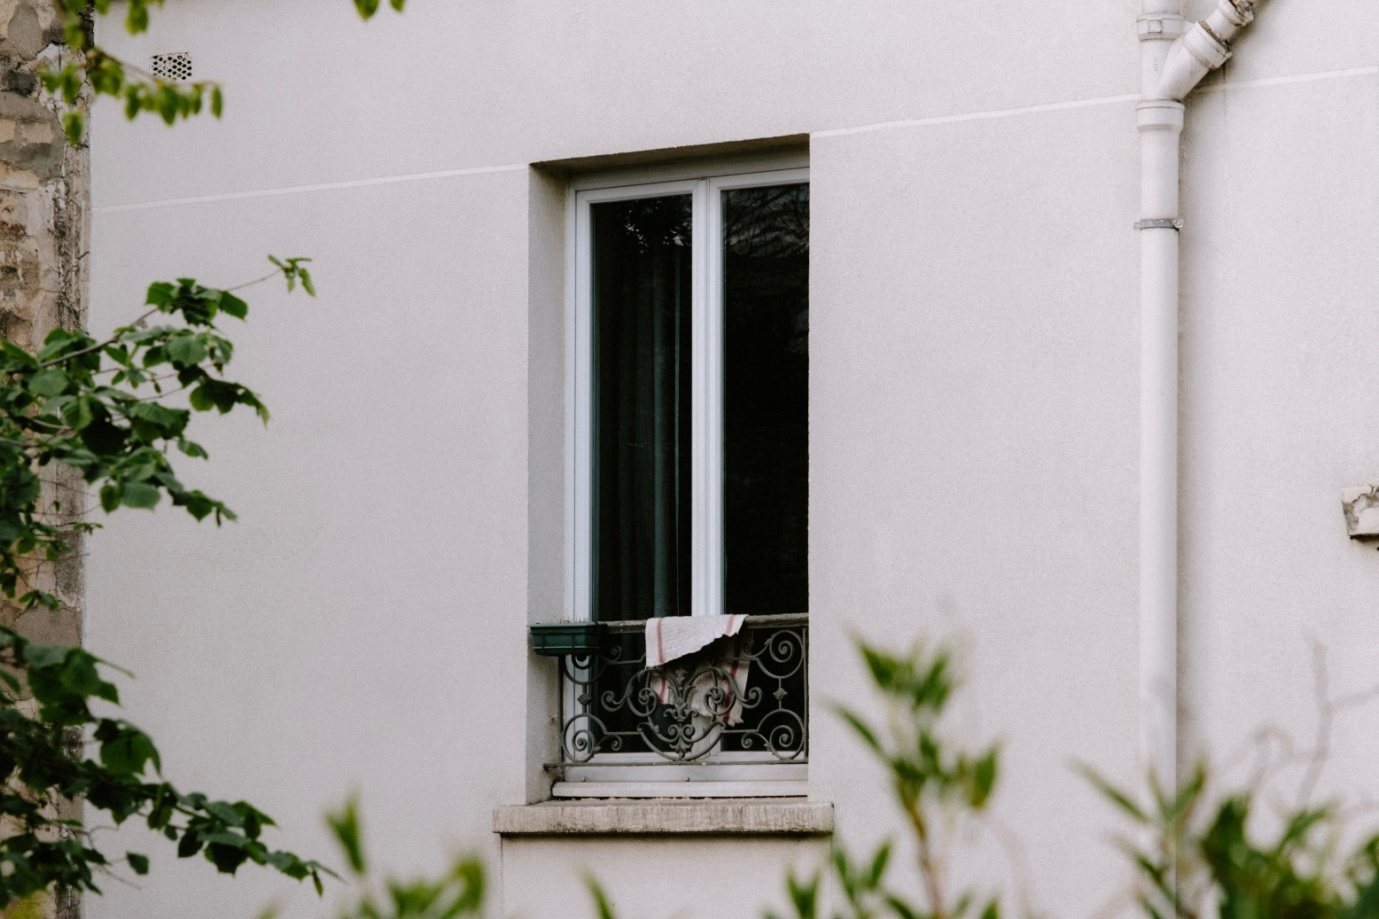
{"x": 740, "y": 700}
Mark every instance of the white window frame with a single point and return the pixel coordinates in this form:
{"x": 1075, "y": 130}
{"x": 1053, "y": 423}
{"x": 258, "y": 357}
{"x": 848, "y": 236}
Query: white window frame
{"x": 706, "y": 377}
{"x": 602, "y": 776}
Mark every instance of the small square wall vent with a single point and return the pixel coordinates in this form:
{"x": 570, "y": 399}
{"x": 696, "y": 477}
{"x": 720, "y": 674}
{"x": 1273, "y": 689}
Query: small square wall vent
{"x": 176, "y": 65}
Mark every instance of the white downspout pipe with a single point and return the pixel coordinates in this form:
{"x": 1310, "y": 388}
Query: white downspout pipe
{"x": 1174, "y": 59}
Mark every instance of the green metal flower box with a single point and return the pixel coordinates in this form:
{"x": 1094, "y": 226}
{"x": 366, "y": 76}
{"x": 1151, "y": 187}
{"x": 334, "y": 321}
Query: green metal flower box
{"x": 552, "y": 639}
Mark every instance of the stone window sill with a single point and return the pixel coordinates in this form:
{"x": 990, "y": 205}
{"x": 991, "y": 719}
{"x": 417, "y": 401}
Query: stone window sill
{"x": 738, "y": 817}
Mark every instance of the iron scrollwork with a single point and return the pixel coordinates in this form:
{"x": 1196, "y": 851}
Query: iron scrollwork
{"x": 740, "y": 699}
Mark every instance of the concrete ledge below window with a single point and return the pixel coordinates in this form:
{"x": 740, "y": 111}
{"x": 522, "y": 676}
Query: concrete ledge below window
{"x": 662, "y": 790}
{"x": 744, "y": 817}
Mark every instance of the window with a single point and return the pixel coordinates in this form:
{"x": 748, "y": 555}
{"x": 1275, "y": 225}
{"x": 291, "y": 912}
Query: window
{"x": 689, "y": 482}
{"x": 691, "y": 369}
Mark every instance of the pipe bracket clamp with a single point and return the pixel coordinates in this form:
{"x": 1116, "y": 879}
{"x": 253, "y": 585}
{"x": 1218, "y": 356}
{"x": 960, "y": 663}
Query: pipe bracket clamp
{"x": 1160, "y": 224}
{"x": 1160, "y": 26}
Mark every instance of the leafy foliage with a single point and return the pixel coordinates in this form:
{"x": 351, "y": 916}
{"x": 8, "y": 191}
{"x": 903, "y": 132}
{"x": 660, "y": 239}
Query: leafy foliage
{"x": 293, "y": 270}
{"x": 1194, "y": 857}
{"x": 925, "y": 771}
{"x": 458, "y": 892}
{"x": 89, "y": 65}
{"x": 44, "y": 758}
{"x": 933, "y": 782}
{"x": 1202, "y": 857}
{"x": 103, "y": 409}
{"x": 109, "y": 412}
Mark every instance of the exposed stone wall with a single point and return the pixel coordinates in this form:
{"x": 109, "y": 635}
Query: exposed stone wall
{"x": 43, "y": 236}
{"x": 43, "y": 231}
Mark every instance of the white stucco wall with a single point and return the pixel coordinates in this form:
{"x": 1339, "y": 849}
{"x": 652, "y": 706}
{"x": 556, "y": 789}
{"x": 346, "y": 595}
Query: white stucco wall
{"x": 1282, "y": 183}
{"x": 958, "y": 501}
{"x": 974, "y": 398}
{"x": 345, "y": 642}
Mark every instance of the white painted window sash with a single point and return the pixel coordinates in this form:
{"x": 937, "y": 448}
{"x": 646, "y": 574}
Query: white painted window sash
{"x": 706, "y": 429}
{"x": 581, "y": 383}
{"x": 707, "y": 357}
{"x": 712, "y": 567}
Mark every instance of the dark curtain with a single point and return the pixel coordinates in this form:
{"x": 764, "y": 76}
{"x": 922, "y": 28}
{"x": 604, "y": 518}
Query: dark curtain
{"x": 641, "y": 482}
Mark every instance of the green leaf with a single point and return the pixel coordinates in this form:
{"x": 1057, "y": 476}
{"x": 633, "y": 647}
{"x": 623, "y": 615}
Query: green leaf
{"x": 1188, "y": 792}
{"x": 804, "y": 894}
{"x": 136, "y": 20}
{"x": 902, "y": 909}
{"x": 138, "y": 862}
{"x": 40, "y": 657}
{"x": 78, "y": 414}
{"x": 233, "y": 306}
{"x": 141, "y": 495}
{"x": 74, "y": 126}
{"x": 186, "y": 349}
{"x": 190, "y": 448}
{"x": 253, "y": 820}
{"x": 189, "y": 845}
{"x": 102, "y": 437}
{"x": 128, "y": 751}
{"x": 983, "y": 778}
{"x": 878, "y": 866}
{"x": 160, "y": 294}
{"x": 17, "y": 355}
{"x": 601, "y": 902}
{"x": 862, "y": 729}
{"x": 883, "y": 667}
{"x": 344, "y": 825}
{"x": 1113, "y": 794}
{"x": 49, "y": 383}
{"x": 37, "y": 598}
{"x": 224, "y": 812}
{"x": 133, "y": 100}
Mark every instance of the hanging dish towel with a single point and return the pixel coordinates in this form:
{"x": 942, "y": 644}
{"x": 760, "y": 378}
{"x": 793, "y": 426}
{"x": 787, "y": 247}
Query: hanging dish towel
{"x": 673, "y": 637}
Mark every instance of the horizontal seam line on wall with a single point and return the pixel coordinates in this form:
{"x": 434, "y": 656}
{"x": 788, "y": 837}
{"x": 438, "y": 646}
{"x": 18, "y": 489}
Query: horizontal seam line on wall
{"x": 977, "y": 116}
{"x": 1088, "y": 103}
{"x": 303, "y": 189}
{"x": 1297, "y": 78}
{"x": 837, "y": 132}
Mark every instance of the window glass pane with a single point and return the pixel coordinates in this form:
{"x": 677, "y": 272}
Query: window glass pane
{"x": 766, "y": 399}
{"x": 641, "y": 406}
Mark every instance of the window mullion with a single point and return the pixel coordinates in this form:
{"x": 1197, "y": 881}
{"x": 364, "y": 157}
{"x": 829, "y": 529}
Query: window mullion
{"x": 707, "y": 526}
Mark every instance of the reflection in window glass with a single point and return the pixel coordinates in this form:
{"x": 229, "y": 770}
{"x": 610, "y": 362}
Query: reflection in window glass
{"x": 766, "y": 399}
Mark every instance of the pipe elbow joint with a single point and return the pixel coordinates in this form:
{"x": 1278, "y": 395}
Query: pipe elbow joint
{"x": 1190, "y": 59}
{"x": 1203, "y": 48}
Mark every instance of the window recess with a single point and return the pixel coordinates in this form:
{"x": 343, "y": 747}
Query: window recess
{"x": 689, "y": 475}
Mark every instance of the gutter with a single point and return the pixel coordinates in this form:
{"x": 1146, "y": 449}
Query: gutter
{"x": 1174, "y": 58}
